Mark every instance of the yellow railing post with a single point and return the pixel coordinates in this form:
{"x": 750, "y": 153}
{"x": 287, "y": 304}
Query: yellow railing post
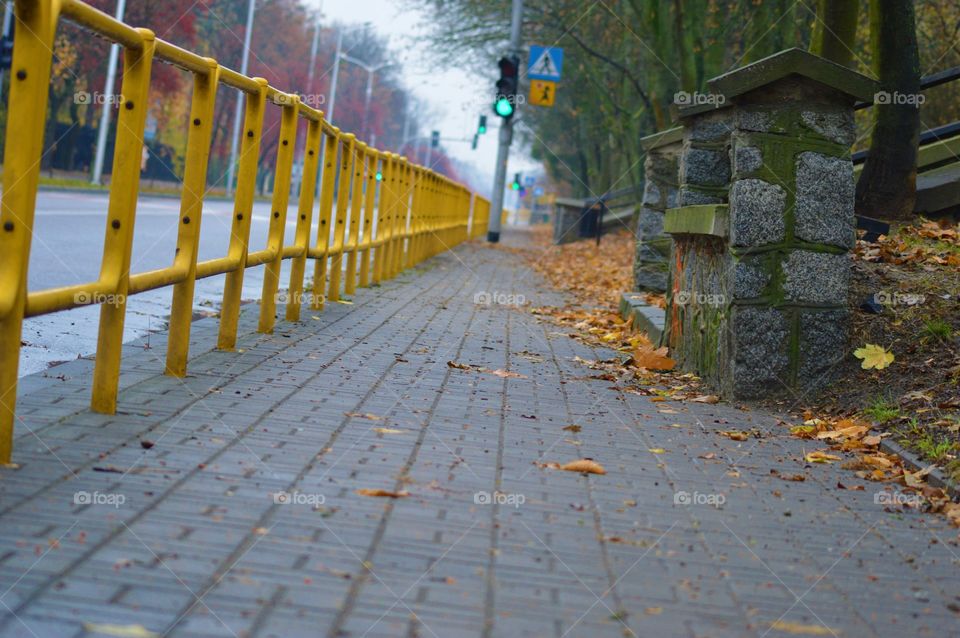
{"x": 356, "y": 208}
{"x": 385, "y": 213}
{"x": 368, "y": 214}
{"x": 432, "y": 208}
{"x": 122, "y": 211}
{"x": 327, "y": 185}
{"x": 35, "y": 28}
{"x": 311, "y": 163}
{"x": 191, "y": 209}
{"x": 290, "y": 105}
{"x": 243, "y": 212}
{"x": 344, "y": 183}
{"x": 416, "y": 217}
{"x": 403, "y": 209}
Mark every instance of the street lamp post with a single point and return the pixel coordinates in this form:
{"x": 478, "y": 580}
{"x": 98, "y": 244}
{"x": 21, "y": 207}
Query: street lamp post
{"x": 107, "y": 103}
{"x": 238, "y": 114}
{"x": 336, "y": 68}
{"x": 371, "y": 70}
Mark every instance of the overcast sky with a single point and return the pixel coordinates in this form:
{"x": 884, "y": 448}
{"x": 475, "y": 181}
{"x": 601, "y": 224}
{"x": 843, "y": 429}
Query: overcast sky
{"x": 457, "y": 97}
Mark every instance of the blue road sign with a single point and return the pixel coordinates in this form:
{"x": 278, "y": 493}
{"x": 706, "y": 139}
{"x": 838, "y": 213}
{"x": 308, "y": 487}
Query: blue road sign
{"x": 529, "y": 180}
{"x": 546, "y": 63}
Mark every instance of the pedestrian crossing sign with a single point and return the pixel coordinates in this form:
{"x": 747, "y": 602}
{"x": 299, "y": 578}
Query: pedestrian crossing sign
{"x": 542, "y": 92}
{"x": 546, "y": 63}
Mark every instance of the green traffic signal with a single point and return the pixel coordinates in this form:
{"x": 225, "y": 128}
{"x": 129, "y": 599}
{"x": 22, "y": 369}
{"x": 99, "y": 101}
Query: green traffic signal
{"x": 379, "y": 176}
{"x": 503, "y": 107}
{"x": 515, "y": 186}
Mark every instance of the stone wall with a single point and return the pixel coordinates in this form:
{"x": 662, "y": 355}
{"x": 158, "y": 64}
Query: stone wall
{"x": 651, "y": 263}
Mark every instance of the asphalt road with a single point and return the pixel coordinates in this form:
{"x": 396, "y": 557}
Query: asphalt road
{"x": 68, "y": 248}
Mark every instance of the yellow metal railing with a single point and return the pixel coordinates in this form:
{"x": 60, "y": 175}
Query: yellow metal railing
{"x": 418, "y": 213}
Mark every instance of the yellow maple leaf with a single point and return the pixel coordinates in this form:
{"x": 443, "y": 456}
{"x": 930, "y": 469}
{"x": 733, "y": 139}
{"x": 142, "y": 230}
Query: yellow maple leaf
{"x": 873, "y": 357}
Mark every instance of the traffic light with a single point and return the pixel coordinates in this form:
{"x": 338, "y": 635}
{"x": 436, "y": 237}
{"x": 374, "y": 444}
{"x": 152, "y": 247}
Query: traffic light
{"x": 482, "y": 128}
{"x": 516, "y": 182}
{"x": 435, "y": 139}
{"x": 505, "y": 102}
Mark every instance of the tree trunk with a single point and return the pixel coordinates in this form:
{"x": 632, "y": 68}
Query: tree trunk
{"x": 888, "y": 184}
{"x": 683, "y": 39}
{"x": 835, "y": 30}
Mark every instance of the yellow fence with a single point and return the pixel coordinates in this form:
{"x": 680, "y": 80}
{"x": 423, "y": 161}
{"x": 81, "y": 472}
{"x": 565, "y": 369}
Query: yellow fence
{"x": 389, "y": 214}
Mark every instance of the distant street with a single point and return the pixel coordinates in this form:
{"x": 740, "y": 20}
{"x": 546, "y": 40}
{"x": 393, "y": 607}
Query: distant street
{"x": 67, "y": 249}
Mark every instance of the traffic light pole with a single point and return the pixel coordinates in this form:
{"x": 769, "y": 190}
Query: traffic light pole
{"x": 506, "y": 138}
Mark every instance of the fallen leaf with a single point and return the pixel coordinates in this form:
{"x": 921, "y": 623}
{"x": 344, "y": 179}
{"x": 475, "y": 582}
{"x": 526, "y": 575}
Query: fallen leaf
{"x": 121, "y": 631}
{"x": 458, "y": 366}
{"x": 854, "y": 488}
{"x": 706, "y": 398}
{"x": 584, "y": 465}
{"x": 878, "y": 461}
{"x": 506, "y": 374}
{"x": 799, "y": 478}
{"x": 650, "y": 359}
{"x": 363, "y": 415}
{"x": 798, "y": 628}
{"x": 871, "y": 441}
{"x": 382, "y": 493}
{"x": 656, "y": 450}
{"x": 572, "y": 428}
{"x": 873, "y": 356}
{"x": 804, "y": 431}
{"x": 388, "y": 431}
{"x": 735, "y": 435}
{"x": 917, "y": 479}
{"x": 819, "y": 456}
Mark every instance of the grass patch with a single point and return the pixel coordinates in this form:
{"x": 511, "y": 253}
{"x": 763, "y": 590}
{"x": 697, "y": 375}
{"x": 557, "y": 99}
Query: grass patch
{"x": 930, "y": 447}
{"x": 913, "y": 241}
{"x": 937, "y": 329}
{"x": 64, "y": 182}
{"x": 881, "y": 410}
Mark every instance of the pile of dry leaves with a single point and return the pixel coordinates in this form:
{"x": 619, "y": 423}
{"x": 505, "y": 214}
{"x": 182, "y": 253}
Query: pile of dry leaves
{"x": 596, "y": 276}
{"x": 926, "y": 243}
{"x": 868, "y": 462}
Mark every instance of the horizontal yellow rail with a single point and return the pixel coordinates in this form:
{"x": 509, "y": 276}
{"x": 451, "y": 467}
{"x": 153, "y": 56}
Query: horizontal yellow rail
{"x": 389, "y": 213}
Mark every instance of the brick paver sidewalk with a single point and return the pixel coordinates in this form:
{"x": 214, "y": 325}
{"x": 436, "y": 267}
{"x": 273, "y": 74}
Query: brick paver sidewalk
{"x": 187, "y": 537}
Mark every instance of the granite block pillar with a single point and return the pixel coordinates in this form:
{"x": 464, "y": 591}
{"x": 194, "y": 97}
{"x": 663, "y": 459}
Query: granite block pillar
{"x": 760, "y": 269}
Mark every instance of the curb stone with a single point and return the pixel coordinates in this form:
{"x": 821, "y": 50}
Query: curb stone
{"x": 643, "y": 317}
{"x": 935, "y": 478}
